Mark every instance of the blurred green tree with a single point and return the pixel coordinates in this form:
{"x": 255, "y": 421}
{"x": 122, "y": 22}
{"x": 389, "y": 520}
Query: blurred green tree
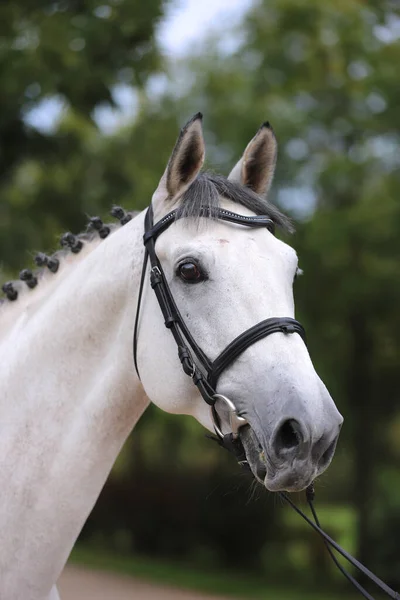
{"x": 57, "y": 54}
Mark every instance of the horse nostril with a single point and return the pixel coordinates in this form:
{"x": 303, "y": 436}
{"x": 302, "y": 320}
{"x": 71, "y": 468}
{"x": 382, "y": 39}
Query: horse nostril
{"x": 327, "y": 454}
{"x": 288, "y": 436}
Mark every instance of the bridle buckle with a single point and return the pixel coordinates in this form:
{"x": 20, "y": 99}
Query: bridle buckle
{"x": 193, "y": 373}
{"x": 155, "y": 276}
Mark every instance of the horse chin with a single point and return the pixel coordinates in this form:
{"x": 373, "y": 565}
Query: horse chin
{"x": 255, "y": 455}
{"x": 288, "y": 482}
{"x": 274, "y": 477}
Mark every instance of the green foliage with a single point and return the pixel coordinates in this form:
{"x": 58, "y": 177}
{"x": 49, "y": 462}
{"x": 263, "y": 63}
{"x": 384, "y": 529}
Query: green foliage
{"x": 74, "y": 52}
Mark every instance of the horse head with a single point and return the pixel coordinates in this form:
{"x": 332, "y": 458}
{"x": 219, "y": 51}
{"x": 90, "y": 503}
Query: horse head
{"x": 225, "y": 276}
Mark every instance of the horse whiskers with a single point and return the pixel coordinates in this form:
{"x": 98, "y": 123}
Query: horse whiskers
{"x": 253, "y": 490}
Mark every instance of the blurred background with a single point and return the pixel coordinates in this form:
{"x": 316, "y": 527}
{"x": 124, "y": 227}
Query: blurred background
{"x": 92, "y": 98}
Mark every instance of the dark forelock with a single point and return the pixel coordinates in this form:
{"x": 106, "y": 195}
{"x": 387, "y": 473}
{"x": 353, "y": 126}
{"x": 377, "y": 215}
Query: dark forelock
{"x": 207, "y": 188}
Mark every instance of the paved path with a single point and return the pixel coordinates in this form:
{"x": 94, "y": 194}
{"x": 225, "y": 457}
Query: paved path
{"x": 77, "y": 583}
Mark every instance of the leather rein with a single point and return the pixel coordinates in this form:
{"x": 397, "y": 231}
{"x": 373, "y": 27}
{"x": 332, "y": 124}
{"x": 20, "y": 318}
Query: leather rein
{"x": 205, "y": 373}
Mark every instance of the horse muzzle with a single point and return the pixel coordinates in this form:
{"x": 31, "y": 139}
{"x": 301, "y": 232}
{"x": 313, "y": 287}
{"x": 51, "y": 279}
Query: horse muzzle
{"x": 292, "y": 459}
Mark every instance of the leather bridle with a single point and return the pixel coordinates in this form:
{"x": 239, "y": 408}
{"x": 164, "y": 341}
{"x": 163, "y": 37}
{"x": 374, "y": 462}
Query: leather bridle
{"x": 195, "y": 363}
{"x": 205, "y": 373}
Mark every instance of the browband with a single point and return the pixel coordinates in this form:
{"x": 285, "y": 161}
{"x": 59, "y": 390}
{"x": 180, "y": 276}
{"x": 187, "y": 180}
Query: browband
{"x": 210, "y": 213}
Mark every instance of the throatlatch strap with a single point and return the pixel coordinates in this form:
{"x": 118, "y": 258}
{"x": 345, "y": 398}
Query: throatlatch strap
{"x": 136, "y": 328}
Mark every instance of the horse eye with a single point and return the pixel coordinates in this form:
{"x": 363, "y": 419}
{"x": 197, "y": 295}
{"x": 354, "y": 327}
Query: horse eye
{"x": 190, "y": 272}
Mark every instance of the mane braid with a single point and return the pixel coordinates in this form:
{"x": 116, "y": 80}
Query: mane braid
{"x": 96, "y": 229}
{"x": 206, "y": 190}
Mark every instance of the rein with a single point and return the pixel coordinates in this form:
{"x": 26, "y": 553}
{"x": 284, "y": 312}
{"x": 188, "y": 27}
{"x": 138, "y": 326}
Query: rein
{"x": 205, "y": 373}
{"x": 330, "y": 543}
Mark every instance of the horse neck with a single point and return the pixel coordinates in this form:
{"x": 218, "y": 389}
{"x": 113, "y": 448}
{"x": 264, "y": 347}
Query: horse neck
{"x": 69, "y": 399}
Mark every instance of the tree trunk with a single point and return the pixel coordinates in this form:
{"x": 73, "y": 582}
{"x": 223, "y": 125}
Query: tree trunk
{"x": 360, "y": 390}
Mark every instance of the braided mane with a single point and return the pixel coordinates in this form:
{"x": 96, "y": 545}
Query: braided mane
{"x": 70, "y": 243}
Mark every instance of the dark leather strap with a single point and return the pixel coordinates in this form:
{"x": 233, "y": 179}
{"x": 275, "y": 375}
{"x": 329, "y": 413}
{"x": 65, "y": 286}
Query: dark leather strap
{"x": 172, "y": 316}
{"x": 213, "y": 213}
{"x": 173, "y": 320}
{"x": 249, "y": 337}
{"x": 381, "y": 584}
{"x": 136, "y": 328}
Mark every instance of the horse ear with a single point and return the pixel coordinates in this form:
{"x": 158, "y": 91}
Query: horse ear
{"x": 185, "y": 162}
{"x": 257, "y": 166}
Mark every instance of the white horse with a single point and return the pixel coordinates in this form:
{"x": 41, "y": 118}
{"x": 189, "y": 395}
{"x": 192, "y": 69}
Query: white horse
{"x": 69, "y": 392}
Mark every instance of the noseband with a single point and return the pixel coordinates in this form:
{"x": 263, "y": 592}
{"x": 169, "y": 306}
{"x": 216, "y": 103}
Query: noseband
{"x": 195, "y": 363}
